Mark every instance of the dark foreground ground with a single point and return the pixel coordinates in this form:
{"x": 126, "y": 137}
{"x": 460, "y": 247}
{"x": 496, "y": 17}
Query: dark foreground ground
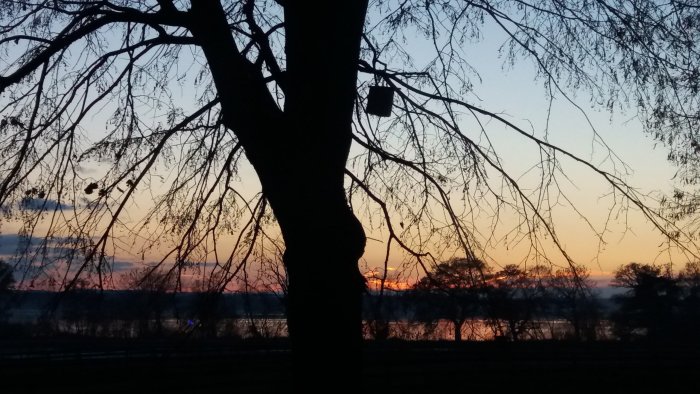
{"x": 113, "y": 366}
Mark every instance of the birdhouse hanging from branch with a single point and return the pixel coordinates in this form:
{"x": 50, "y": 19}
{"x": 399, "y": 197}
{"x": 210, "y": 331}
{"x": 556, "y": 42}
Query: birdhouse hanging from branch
{"x": 380, "y": 100}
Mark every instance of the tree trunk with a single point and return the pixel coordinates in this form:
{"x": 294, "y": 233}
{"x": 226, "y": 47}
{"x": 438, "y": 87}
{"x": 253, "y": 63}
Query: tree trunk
{"x": 458, "y": 329}
{"x": 323, "y": 238}
{"x": 300, "y": 155}
{"x": 325, "y": 295}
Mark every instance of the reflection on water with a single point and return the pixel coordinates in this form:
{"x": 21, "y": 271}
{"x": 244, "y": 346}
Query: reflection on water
{"x": 475, "y": 330}
{"x": 131, "y": 315}
{"x": 276, "y": 327}
{"x": 239, "y": 328}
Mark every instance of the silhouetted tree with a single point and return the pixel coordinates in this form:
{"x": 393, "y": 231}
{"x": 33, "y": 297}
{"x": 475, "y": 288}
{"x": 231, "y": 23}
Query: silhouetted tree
{"x": 572, "y": 295}
{"x": 515, "y": 299}
{"x": 7, "y": 282}
{"x": 454, "y": 290}
{"x": 7, "y": 279}
{"x": 207, "y": 308}
{"x": 192, "y": 87}
{"x": 82, "y": 309}
{"x": 150, "y": 297}
{"x": 649, "y": 306}
{"x": 688, "y": 323}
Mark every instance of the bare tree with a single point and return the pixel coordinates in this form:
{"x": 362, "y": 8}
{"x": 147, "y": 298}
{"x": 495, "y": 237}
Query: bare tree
{"x": 151, "y": 297}
{"x": 513, "y": 303}
{"x": 455, "y": 290}
{"x": 185, "y": 90}
{"x": 573, "y": 298}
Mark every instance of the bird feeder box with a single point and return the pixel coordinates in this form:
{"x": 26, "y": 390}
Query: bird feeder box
{"x": 380, "y": 100}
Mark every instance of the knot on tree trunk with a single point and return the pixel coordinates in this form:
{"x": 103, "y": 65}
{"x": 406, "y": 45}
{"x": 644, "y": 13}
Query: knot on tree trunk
{"x": 326, "y": 246}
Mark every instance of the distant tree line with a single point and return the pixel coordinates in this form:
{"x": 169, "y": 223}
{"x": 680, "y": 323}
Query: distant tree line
{"x": 540, "y": 302}
{"x": 151, "y": 307}
{"x": 476, "y": 301}
{"x": 512, "y": 303}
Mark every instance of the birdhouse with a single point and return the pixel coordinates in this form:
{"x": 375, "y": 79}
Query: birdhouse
{"x": 380, "y": 100}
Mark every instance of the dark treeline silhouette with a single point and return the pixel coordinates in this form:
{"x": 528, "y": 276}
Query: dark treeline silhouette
{"x": 461, "y": 299}
{"x": 540, "y": 302}
{"x": 139, "y": 314}
{"x": 658, "y": 304}
{"x": 512, "y": 303}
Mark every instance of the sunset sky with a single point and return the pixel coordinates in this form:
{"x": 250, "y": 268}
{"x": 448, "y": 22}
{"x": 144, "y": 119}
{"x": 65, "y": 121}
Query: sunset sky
{"x": 513, "y": 93}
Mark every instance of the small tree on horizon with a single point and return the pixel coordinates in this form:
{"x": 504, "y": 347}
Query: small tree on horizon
{"x": 574, "y": 300}
{"x": 454, "y": 290}
{"x": 514, "y": 300}
{"x": 151, "y": 295}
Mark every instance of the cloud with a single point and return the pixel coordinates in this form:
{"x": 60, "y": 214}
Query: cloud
{"x": 21, "y": 249}
{"x": 86, "y": 170}
{"x": 12, "y": 245}
{"x": 36, "y": 259}
{"x": 49, "y": 248}
{"x": 122, "y": 266}
{"x": 41, "y": 204}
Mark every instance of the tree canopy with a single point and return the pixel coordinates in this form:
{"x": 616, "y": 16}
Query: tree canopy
{"x": 659, "y": 305}
{"x": 126, "y": 126}
{"x": 138, "y": 72}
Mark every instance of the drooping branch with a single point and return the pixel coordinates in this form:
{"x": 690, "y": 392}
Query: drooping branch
{"x": 97, "y": 251}
{"x": 248, "y": 106}
{"x": 75, "y": 31}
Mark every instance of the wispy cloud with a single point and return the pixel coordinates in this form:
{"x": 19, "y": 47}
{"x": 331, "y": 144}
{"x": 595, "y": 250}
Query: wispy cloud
{"x": 21, "y": 248}
{"x": 42, "y": 204}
